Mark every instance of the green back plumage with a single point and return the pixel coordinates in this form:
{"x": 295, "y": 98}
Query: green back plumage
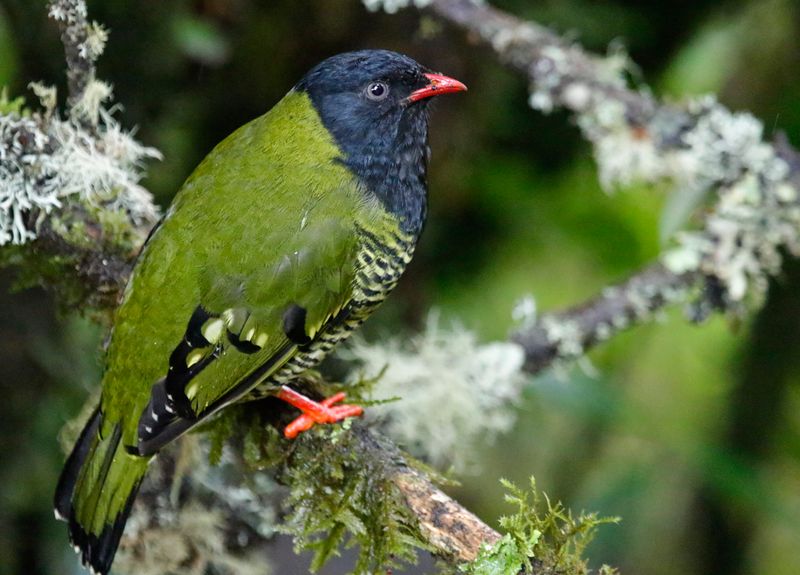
{"x": 267, "y": 220}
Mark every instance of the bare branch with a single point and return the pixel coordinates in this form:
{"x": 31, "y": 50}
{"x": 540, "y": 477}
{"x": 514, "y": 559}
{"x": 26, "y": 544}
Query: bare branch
{"x": 452, "y": 530}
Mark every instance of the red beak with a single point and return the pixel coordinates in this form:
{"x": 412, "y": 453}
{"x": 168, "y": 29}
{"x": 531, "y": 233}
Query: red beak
{"x": 439, "y": 84}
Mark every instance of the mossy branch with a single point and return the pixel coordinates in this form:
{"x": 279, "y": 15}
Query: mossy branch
{"x": 342, "y": 483}
{"x": 73, "y": 215}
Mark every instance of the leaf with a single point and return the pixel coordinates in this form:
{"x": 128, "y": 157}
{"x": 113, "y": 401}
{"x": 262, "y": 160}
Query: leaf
{"x": 539, "y": 529}
{"x": 502, "y": 558}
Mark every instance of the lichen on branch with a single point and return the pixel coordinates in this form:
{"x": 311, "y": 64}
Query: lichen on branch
{"x": 472, "y": 402}
{"x": 70, "y": 191}
{"x": 743, "y": 208}
{"x": 47, "y": 163}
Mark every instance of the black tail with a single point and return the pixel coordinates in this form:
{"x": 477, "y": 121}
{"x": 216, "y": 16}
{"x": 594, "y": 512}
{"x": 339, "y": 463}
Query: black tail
{"x": 96, "y": 491}
{"x": 73, "y": 466}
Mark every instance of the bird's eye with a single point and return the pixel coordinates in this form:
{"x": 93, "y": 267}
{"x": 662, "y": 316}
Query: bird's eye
{"x": 377, "y": 91}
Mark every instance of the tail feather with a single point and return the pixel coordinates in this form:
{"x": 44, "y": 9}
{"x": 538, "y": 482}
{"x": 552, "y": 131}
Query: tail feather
{"x": 73, "y": 465}
{"x": 96, "y": 491}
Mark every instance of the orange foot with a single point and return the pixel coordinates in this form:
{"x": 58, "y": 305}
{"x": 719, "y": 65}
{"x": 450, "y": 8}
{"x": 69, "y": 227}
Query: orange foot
{"x": 315, "y": 412}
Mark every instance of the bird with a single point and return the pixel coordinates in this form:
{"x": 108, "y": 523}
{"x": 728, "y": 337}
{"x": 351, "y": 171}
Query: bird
{"x": 281, "y": 242}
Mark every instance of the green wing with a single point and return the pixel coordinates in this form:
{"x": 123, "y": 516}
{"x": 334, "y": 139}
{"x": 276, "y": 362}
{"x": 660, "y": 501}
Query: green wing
{"x": 258, "y": 251}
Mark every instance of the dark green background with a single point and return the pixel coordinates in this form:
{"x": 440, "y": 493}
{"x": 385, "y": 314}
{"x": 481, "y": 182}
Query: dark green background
{"x": 691, "y": 434}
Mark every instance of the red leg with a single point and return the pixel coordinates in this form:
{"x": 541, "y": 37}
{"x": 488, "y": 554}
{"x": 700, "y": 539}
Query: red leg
{"x": 315, "y": 412}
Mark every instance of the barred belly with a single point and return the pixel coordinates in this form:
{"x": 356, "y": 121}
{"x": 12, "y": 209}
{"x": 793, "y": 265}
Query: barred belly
{"x": 380, "y": 265}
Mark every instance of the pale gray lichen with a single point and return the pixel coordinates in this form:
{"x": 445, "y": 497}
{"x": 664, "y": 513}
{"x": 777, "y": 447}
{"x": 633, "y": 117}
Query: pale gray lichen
{"x": 89, "y": 38}
{"x": 89, "y": 106}
{"x": 547, "y": 73}
{"x": 188, "y": 535}
{"x": 87, "y": 159}
{"x": 623, "y": 159}
{"x": 455, "y": 392}
{"x": 724, "y": 144}
{"x": 69, "y": 11}
{"x": 393, "y": 6}
{"x": 756, "y": 212}
{"x": 250, "y": 501}
{"x": 192, "y": 542}
{"x": 504, "y": 38}
{"x": 555, "y": 80}
{"x": 47, "y": 96}
{"x": 566, "y": 335}
{"x": 96, "y": 38}
{"x": 558, "y": 340}
{"x": 22, "y": 143}
{"x": 45, "y": 161}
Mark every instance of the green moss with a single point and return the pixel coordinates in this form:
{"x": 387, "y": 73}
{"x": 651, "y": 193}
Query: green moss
{"x": 88, "y": 226}
{"x": 118, "y": 232}
{"x": 337, "y": 499}
{"x": 82, "y": 256}
{"x": 540, "y": 534}
{"x": 218, "y": 431}
{"x": 502, "y": 558}
{"x": 35, "y": 268}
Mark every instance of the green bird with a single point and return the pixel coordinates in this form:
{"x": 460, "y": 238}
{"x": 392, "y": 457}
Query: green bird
{"x": 283, "y": 240}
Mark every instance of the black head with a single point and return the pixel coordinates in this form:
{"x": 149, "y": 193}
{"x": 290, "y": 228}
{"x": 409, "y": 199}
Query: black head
{"x": 374, "y": 103}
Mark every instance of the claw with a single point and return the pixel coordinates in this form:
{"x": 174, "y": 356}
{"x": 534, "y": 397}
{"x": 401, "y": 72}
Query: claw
{"x": 315, "y": 412}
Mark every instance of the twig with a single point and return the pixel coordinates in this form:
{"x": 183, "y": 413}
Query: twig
{"x": 536, "y": 52}
{"x": 570, "y": 333}
{"x": 71, "y": 16}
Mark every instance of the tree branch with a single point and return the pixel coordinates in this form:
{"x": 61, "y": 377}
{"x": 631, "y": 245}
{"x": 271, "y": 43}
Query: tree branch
{"x": 570, "y": 333}
{"x": 538, "y": 53}
{"x": 450, "y": 529}
{"x": 702, "y": 149}
{"x": 71, "y": 17}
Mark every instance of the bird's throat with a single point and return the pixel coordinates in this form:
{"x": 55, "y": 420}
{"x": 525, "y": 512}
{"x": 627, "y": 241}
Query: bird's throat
{"x": 396, "y": 174}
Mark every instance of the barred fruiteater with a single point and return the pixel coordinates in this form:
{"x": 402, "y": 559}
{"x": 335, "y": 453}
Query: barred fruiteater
{"x": 283, "y": 240}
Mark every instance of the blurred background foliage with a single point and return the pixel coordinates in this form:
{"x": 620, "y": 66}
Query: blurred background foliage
{"x": 691, "y": 434}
